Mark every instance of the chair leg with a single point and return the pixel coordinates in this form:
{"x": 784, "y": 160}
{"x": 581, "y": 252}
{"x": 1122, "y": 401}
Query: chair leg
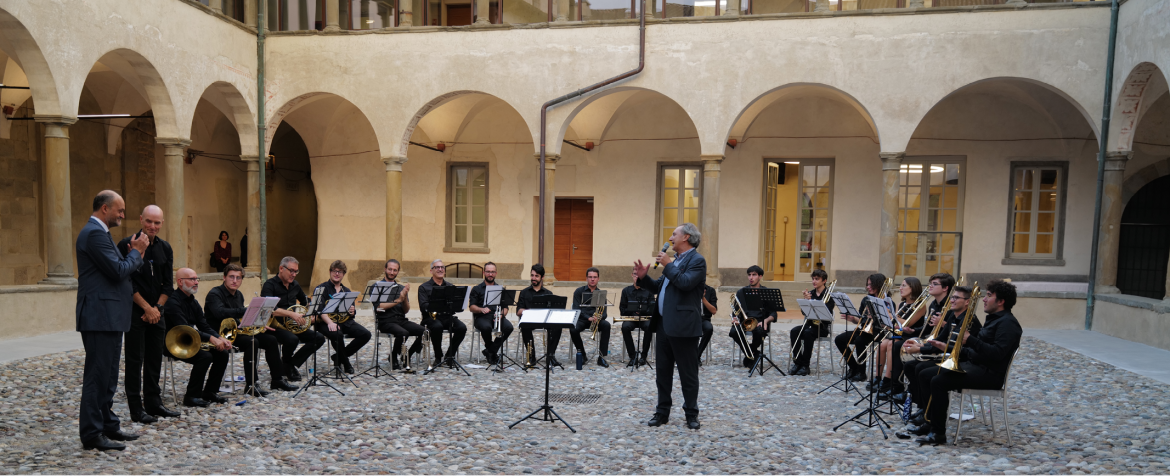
{"x": 232, "y": 366}
{"x": 959, "y": 427}
{"x": 1006, "y": 428}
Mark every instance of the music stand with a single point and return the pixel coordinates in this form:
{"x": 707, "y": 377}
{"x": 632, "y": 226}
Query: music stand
{"x": 845, "y": 305}
{"x": 768, "y": 301}
{"x": 501, "y": 298}
{"x": 547, "y": 319}
{"x": 548, "y": 301}
{"x": 312, "y": 309}
{"x": 257, "y": 314}
{"x": 877, "y": 308}
{"x": 642, "y": 311}
{"x": 447, "y": 300}
{"x": 380, "y": 293}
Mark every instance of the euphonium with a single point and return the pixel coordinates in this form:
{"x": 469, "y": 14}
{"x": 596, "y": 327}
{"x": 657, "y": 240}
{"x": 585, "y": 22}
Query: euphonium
{"x": 184, "y": 342}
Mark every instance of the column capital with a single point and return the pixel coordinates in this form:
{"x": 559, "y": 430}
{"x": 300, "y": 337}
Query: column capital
{"x": 172, "y": 141}
{"x": 57, "y": 120}
{"x": 252, "y": 162}
{"x": 550, "y": 160}
{"x": 711, "y": 162}
{"x": 1115, "y": 160}
{"x": 394, "y": 162}
{"x": 892, "y": 160}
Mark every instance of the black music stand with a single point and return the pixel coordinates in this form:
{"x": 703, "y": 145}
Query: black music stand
{"x": 643, "y": 311}
{"x": 505, "y": 298}
{"x": 258, "y": 311}
{"x": 311, "y": 310}
{"x": 872, "y": 418}
{"x": 768, "y": 301}
{"x": 845, "y": 305}
{"x": 377, "y": 294}
{"x": 547, "y": 319}
{"x": 447, "y": 300}
{"x": 549, "y": 301}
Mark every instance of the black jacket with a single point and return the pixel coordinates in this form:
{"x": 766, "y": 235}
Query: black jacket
{"x": 680, "y": 290}
{"x": 995, "y": 344}
{"x": 477, "y": 298}
{"x": 579, "y": 295}
{"x": 153, "y": 279}
{"x": 393, "y": 315}
{"x": 631, "y": 293}
{"x": 424, "y": 298}
{"x": 221, "y": 304}
{"x": 184, "y": 310}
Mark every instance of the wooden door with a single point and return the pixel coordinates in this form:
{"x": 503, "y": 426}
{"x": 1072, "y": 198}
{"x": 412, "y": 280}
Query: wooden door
{"x": 458, "y": 15}
{"x": 574, "y": 239}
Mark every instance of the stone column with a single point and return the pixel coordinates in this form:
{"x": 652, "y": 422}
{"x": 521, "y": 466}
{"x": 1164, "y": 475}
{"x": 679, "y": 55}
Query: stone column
{"x": 174, "y": 216}
{"x": 406, "y": 12}
{"x": 733, "y": 10}
{"x": 394, "y": 206}
{"x": 253, "y": 164}
{"x": 562, "y": 15}
{"x": 709, "y": 213}
{"x": 921, "y": 3}
{"x": 823, "y": 6}
{"x": 216, "y": 6}
{"x": 550, "y": 213}
{"x": 1111, "y": 210}
{"x": 59, "y": 233}
{"x": 888, "y": 242}
{"x": 250, "y": 13}
{"x": 331, "y": 13}
{"x": 483, "y": 12}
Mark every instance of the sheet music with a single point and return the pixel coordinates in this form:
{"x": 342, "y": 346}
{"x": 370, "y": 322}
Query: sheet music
{"x": 466, "y": 296}
{"x": 492, "y": 294}
{"x": 562, "y": 316}
{"x": 340, "y": 303}
{"x": 535, "y": 316}
{"x": 845, "y": 305}
{"x": 379, "y": 292}
{"x": 815, "y": 309}
{"x": 253, "y": 312}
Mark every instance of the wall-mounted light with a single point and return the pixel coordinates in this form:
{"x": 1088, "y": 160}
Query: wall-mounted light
{"x": 441, "y": 146}
{"x": 190, "y": 157}
{"x": 732, "y": 142}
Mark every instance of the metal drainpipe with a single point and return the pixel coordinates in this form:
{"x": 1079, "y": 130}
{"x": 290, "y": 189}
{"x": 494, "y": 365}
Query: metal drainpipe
{"x": 1090, "y": 299}
{"x": 580, "y": 92}
{"x": 260, "y": 131}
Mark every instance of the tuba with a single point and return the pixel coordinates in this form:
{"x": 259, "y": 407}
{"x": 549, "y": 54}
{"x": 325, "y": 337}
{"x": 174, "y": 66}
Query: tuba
{"x": 184, "y": 342}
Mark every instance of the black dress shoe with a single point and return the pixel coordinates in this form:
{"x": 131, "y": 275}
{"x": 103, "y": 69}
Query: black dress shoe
{"x": 748, "y": 363}
{"x": 161, "y": 411}
{"x": 214, "y": 398}
{"x": 857, "y": 376}
{"x": 282, "y": 384}
{"x": 348, "y": 367}
{"x": 120, "y": 436}
{"x": 918, "y": 430}
{"x": 142, "y": 417}
{"x": 101, "y": 443}
{"x": 658, "y": 420}
{"x": 934, "y": 438}
{"x": 642, "y": 362}
{"x": 802, "y": 370}
{"x": 601, "y": 361}
{"x": 793, "y": 369}
{"x": 195, "y": 402}
{"x": 899, "y": 397}
{"x": 552, "y": 360}
{"x": 693, "y": 423}
{"x": 632, "y": 362}
{"x": 254, "y": 391}
{"x": 294, "y": 375}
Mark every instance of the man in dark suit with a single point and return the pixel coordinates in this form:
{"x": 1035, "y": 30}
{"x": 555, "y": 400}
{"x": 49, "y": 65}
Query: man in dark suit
{"x": 103, "y": 316}
{"x": 678, "y": 322}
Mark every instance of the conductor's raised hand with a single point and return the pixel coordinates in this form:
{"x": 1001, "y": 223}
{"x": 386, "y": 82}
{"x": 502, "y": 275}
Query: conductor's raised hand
{"x": 641, "y": 269}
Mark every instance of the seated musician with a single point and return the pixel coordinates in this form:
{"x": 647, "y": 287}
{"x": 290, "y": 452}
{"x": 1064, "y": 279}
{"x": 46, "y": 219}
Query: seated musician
{"x": 390, "y": 318}
{"x": 484, "y": 316}
{"x": 984, "y": 359}
{"x": 182, "y": 309}
{"x": 857, "y": 338}
{"x": 710, "y": 299}
{"x": 285, "y": 286}
{"x": 336, "y": 333}
{"x": 953, "y": 317}
{"x": 939, "y": 287}
{"x": 763, "y": 318}
{"x": 808, "y": 332}
{"x": 635, "y": 293}
{"x": 227, "y": 302}
{"x": 525, "y": 301}
{"x": 890, "y": 347}
{"x": 580, "y": 296}
{"x": 438, "y": 322}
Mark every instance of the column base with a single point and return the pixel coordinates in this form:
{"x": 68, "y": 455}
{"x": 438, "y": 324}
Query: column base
{"x": 331, "y": 29}
{"x": 59, "y": 280}
{"x": 1107, "y": 290}
{"x": 549, "y": 279}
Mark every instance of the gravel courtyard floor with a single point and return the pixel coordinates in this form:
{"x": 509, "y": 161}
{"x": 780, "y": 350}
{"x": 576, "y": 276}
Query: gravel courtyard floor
{"x": 1069, "y": 414}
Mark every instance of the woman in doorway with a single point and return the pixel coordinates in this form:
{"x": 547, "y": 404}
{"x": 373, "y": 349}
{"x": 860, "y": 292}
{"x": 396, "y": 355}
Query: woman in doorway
{"x": 222, "y": 252}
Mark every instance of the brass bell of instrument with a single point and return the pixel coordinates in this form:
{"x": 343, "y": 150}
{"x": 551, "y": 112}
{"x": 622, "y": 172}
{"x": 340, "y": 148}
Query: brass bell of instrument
{"x": 184, "y": 342}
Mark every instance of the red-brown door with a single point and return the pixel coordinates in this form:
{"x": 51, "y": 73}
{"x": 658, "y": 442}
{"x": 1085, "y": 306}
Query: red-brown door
{"x": 458, "y": 15}
{"x": 573, "y": 252}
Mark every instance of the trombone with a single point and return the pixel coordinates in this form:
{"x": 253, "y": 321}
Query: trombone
{"x": 737, "y": 310}
{"x": 824, "y": 299}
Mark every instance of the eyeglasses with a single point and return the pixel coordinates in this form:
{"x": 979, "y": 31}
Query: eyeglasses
{"x": 437, "y": 267}
{"x": 189, "y": 279}
{"x": 336, "y": 271}
{"x": 293, "y": 271}
{"x": 233, "y": 278}
{"x": 934, "y": 284}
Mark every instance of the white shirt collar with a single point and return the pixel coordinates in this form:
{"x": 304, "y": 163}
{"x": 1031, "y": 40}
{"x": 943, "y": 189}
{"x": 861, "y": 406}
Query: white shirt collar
{"x": 101, "y": 223}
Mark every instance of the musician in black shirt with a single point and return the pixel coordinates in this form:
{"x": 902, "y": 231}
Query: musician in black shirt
{"x": 437, "y": 323}
{"x": 183, "y": 310}
{"x": 580, "y": 297}
{"x": 939, "y": 287}
{"x": 857, "y": 338}
{"x": 985, "y": 359}
{"x": 285, "y": 286}
{"x": 764, "y": 318}
{"x": 227, "y": 302}
{"x": 710, "y": 301}
{"x": 808, "y": 332}
{"x": 484, "y": 316}
{"x": 144, "y": 342}
{"x": 525, "y": 301}
{"x": 391, "y": 317}
{"x": 635, "y": 293}
{"x": 334, "y": 332}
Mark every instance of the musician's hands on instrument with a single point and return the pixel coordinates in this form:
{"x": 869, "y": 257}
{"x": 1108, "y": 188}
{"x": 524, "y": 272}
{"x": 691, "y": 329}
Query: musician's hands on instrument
{"x": 912, "y": 347}
{"x": 152, "y": 315}
{"x": 352, "y": 310}
{"x": 934, "y": 318}
{"x": 329, "y": 323}
{"x": 966, "y": 334}
{"x": 938, "y": 345}
{"x": 300, "y": 318}
{"x": 220, "y": 343}
{"x": 269, "y": 329}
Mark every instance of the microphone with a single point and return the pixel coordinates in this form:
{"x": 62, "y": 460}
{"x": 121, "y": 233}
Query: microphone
{"x": 665, "y": 246}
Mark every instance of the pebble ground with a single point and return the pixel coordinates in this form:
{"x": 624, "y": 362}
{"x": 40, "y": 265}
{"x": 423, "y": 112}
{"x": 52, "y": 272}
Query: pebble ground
{"x": 1069, "y": 415}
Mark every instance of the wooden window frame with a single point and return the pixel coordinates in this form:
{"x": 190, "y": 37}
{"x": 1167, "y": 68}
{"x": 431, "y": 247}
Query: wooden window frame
{"x": 660, "y": 188}
{"x": 451, "y": 246}
{"x": 1057, "y": 257}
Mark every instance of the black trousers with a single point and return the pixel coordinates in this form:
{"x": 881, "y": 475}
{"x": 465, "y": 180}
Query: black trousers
{"x": 485, "y": 325}
{"x": 602, "y": 335}
{"x": 860, "y": 341}
{"x": 682, "y": 352}
{"x": 263, "y": 341}
{"x": 936, "y": 384}
{"x": 357, "y": 333}
{"x": 757, "y": 338}
{"x": 99, "y": 382}
{"x": 288, "y": 341}
{"x": 451, "y": 324}
{"x": 144, "y": 348}
{"x": 401, "y": 330}
{"x": 896, "y": 366}
{"x": 628, "y": 337}
{"x": 552, "y": 341}
{"x": 708, "y": 331}
{"x": 802, "y": 354}
{"x": 207, "y": 372}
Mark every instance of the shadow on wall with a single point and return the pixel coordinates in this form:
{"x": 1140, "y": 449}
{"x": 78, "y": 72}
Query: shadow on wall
{"x": 292, "y": 204}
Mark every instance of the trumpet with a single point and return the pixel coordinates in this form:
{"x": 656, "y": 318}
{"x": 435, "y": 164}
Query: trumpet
{"x": 737, "y": 317}
{"x": 596, "y": 320}
{"x": 824, "y": 299}
{"x": 406, "y": 358}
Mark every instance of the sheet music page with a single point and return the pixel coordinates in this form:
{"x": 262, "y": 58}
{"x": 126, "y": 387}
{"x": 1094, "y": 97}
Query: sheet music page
{"x": 535, "y": 316}
{"x": 253, "y": 312}
{"x": 491, "y": 295}
{"x": 562, "y": 316}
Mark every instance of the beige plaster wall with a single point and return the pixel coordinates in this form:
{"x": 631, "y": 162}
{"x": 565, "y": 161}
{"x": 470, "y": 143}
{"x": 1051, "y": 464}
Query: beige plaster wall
{"x": 51, "y": 308}
{"x": 1146, "y": 326}
{"x": 215, "y": 187}
{"x": 1142, "y": 29}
